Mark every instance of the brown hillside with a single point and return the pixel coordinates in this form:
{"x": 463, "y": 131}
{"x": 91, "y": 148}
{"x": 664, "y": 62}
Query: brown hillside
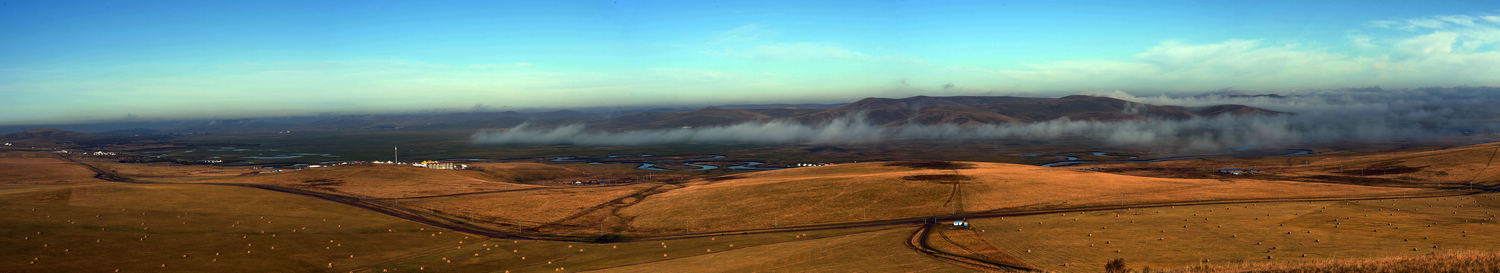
{"x": 1452, "y": 167}
{"x": 384, "y": 181}
{"x": 40, "y": 168}
{"x": 1462, "y": 262}
{"x": 869, "y": 191}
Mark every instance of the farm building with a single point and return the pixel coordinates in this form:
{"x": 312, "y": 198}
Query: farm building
{"x": 441, "y": 165}
{"x": 1238, "y": 171}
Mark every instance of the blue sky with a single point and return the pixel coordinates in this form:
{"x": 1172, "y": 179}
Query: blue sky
{"x": 66, "y": 61}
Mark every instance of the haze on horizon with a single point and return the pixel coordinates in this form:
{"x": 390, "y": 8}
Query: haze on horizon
{"x": 101, "y": 60}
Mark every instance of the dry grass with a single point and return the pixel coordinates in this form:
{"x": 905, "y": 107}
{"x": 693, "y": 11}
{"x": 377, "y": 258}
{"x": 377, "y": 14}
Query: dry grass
{"x": 1451, "y": 262}
{"x": 165, "y": 172}
{"x": 1298, "y": 232}
{"x": 39, "y": 168}
{"x": 1455, "y": 166}
{"x": 872, "y": 191}
{"x": 529, "y": 208}
{"x": 211, "y": 228}
{"x": 527, "y": 172}
{"x": 969, "y": 243}
{"x": 383, "y": 181}
{"x": 1445, "y": 167}
{"x": 67, "y": 205}
{"x": 484, "y": 195}
{"x": 562, "y": 173}
{"x": 193, "y": 228}
{"x": 791, "y": 197}
{"x": 1006, "y": 185}
{"x": 863, "y": 249}
{"x": 878, "y": 251}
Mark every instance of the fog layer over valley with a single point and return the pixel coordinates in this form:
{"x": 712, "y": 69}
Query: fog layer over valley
{"x": 1313, "y": 117}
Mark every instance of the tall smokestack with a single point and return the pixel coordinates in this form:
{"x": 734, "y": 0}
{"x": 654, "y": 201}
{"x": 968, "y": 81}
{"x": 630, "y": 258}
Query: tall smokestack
{"x": 397, "y": 151}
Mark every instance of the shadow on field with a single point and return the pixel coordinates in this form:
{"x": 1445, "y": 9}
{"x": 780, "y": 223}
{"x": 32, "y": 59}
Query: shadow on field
{"x": 938, "y": 178}
{"x": 936, "y": 165}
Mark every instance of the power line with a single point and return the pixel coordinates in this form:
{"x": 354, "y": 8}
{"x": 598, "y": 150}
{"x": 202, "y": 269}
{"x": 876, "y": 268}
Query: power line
{"x": 1486, "y": 167}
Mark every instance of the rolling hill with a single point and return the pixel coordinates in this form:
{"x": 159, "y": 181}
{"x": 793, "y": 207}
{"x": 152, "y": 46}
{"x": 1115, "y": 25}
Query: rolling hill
{"x": 1457, "y": 167}
{"x": 881, "y": 190}
{"x": 958, "y": 110}
{"x": 970, "y": 110}
{"x": 47, "y": 138}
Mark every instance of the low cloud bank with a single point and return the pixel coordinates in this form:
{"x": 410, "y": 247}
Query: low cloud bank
{"x": 1360, "y": 116}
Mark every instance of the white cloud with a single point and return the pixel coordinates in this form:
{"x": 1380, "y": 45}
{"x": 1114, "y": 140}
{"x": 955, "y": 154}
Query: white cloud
{"x": 1430, "y": 44}
{"x": 1182, "y": 66}
{"x": 754, "y": 41}
{"x": 1436, "y": 22}
{"x": 743, "y": 34}
{"x": 1447, "y": 51}
{"x": 1425, "y": 23}
{"x": 1437, "y": 51}
{"x": 1361, "y": 41}
{"x": 1462, "y": 20}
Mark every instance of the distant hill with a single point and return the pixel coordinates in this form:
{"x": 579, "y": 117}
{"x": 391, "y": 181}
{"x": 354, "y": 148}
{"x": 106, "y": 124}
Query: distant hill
{"x": 960, "y": 110}
{"x": 972, "y": 110}
{"x": 706, "y": 117}
{"x": 46, "y": 138}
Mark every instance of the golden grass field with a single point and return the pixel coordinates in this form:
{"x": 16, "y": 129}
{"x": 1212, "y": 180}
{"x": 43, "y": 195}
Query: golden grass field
{"x": 1453, "y": 167}
{"x": 868, "y": 191}
{"x": 54, "y": 213}
{"x": 554, "y": 173}
{"x": 40, "y": 169}
{"x": 173, "y": 228}
{"x": 528, "y": 208}
{"x": 1164, "y": 238}
{"x": 383, "y": 181}
{"x": 878, "y": 251}
{"x": 519, "y": 172}
{"x": 165, "y": 172}
{"x": 1447, "y": 262}
{"x": 192, "y": 228}
{"x": 95, "y": 226}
